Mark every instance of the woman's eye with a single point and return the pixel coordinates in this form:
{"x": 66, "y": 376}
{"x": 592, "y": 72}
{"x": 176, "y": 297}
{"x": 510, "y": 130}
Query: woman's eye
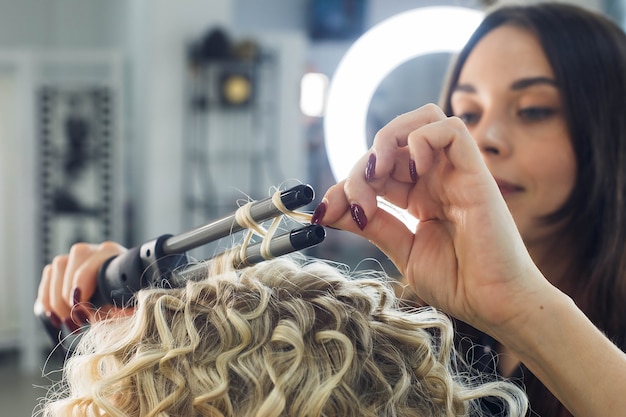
{"x": 536, "y": 113}
{"x": 469, "y": 118}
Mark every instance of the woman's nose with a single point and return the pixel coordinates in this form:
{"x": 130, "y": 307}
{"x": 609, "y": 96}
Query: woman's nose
{"x": 492, "y": 137}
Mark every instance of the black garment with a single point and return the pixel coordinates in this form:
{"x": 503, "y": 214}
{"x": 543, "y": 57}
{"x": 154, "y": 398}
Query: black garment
{"x": 479, "y": 350}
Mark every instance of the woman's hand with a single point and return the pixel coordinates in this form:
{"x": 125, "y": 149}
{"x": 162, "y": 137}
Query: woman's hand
{"x": 466, "y": 255}
{"x": 69, "y": 281}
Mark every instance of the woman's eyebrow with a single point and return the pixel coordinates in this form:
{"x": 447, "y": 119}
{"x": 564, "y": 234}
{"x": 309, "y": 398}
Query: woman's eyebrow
{"x": 529, "y": 82}
{"x": 516, "y": 85}
{"x": 466, "y": 88}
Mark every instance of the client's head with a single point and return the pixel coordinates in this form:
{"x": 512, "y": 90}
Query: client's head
{"x": 281, "y": 338}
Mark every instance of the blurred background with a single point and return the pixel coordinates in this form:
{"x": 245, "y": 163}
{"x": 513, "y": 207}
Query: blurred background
{"x": 128, "y": 119}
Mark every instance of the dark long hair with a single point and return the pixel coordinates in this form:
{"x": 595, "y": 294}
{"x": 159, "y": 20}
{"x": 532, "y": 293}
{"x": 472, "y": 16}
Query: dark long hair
{"x": 587, "y": 52}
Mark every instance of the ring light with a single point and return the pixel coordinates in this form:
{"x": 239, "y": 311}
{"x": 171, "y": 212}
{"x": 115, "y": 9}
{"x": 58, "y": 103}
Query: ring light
{"x": 371, "y": 58}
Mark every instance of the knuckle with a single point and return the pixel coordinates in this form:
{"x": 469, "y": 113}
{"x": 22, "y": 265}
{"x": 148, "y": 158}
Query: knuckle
{"x": 433, "y": 109}
{"x": 109, "y": 246}
{"x": 80, "y": 249}
{"x": 457, "y": 123}
{"x": 59, "y": 261}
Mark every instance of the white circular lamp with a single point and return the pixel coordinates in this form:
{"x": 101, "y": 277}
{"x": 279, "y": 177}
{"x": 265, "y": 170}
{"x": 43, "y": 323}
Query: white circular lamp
{"x": 371, "y": 58}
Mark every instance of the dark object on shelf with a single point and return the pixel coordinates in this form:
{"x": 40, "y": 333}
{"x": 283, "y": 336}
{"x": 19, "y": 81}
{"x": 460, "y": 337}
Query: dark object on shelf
{"x": 336, "y": 19}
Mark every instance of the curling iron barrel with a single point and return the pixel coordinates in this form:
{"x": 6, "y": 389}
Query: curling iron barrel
{"x": 156, "y": 261}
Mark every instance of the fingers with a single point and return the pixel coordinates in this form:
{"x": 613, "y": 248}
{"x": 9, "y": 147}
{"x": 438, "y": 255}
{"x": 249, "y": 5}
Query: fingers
{"x": 70, "y": 280}
{"x": 391, "y": 235}
{"x": 88, "y": 260}
{"x": 414, "y": 142}
{"x": 70, "y": 293}
{"x": 391, "y": 141}
{"x": 42, "y": 304}
{"x": 413, "y": 164}
{"x": 410, "y": 147}
{"x": 380, "y": 227}
{"x": 449, "y": 137}
{"x": 57, "y": 278}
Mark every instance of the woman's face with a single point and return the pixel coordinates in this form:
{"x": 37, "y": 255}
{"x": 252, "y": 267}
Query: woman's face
{"x": 508, "y": 97}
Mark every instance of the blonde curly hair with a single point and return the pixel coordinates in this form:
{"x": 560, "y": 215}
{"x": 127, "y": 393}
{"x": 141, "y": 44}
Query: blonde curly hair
{"x": 282, "y": 338}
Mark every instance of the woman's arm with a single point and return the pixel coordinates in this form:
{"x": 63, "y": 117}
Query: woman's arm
{"x": 467, "y": 258}
{"x": 563, "y": 348}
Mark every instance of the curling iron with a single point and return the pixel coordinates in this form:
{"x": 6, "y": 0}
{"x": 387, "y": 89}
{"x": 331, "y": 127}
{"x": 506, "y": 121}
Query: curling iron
{"x": 164, "y": 259}
{"x": 163, "y": 262}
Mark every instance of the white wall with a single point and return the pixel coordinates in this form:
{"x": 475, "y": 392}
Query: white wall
{"x": 11, "y": 199}
{"x": 62, "y": 23}
{"x": 159, "y": 31}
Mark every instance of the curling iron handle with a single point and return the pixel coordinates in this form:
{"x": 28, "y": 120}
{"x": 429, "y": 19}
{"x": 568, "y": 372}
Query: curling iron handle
{"x": 119, "y": 278}
{"x": 122, "y": 276}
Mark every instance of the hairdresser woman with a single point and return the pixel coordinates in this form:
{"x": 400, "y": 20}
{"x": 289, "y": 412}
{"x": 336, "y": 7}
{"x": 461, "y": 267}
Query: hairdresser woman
{"x": 538, "y": 149}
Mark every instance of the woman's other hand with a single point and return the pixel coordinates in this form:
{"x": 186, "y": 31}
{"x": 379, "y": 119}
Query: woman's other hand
{"x": 68, "y": 282}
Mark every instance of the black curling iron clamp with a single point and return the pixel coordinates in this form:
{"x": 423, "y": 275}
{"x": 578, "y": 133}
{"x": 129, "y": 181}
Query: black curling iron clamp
{"x": 163, "y": 262}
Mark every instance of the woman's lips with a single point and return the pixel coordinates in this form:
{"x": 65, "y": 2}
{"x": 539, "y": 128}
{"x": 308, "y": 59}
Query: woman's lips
{"x": 507, "y": 188}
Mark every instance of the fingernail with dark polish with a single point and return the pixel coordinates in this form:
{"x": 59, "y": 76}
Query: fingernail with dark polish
{"x": 413, "y": 171}
{"x": 76, "y": 296}
{"x": 358, "y": 215}
{"x": 79, "y": 316}
{"x": 319, "y": 213}
{"x": 370, "y": 168}
{"x": 71, "y": 326}
{"x": 53, "y": 319}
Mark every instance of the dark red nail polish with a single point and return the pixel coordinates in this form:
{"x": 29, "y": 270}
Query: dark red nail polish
{"x": 79, "y": 316}
{"x": 319, "y": 213}
{"x": 53, "y": 319}
{"x": 370, "y": 168}
{"x": 358, "y": 215}
{"x": 71, "y": 326}
{"x": 76, "y": 296}
{"x": 413, "y": 171}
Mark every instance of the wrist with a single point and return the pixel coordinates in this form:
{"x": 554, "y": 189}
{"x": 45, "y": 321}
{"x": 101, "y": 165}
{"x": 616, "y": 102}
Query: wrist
{"x": 533, "y": 333}
{"x": 532, "y": 312}
{"x": 564, "y": 349}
